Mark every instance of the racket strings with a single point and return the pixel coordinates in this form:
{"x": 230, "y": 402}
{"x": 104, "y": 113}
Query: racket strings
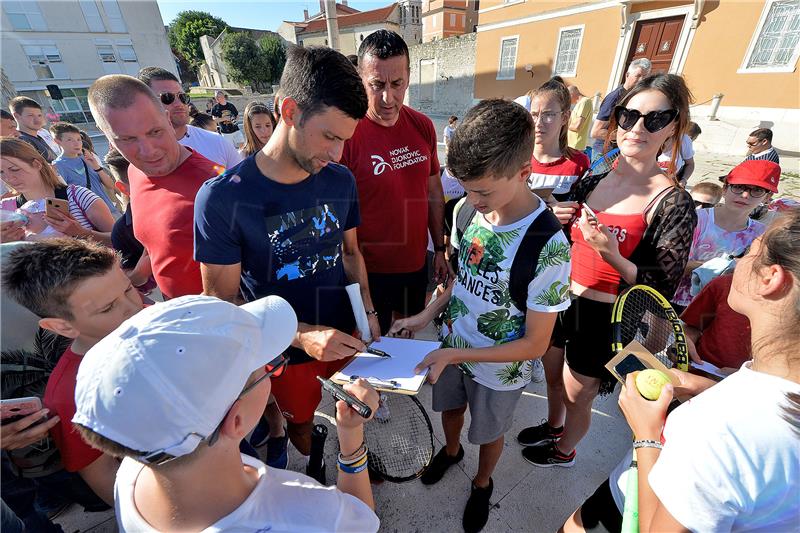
{"x": 644, "y": 320}
{"x": 399, "y": 438}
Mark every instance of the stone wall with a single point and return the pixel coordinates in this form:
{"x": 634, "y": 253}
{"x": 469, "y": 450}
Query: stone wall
{"x": 442, "y": 76}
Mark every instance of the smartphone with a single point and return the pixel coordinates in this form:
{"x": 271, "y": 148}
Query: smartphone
{"x": 56, "y": 204}
{"x": 629, "y": 364}
{"x": 18, "y": 408}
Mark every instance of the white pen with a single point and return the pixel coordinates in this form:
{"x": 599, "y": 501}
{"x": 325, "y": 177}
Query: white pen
{"x": 391, "y": 384}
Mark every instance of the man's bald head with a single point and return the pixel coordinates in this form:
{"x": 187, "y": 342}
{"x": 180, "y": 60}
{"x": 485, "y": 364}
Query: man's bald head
{"x": 116, "y": 91}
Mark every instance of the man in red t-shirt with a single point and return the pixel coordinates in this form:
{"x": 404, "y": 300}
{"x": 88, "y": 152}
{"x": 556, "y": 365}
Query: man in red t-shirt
{"x": 164, "y": 178}
{"x": 718, "y": 334}
{"x": 393, "y": 155}
{"x": 79, "y": 290}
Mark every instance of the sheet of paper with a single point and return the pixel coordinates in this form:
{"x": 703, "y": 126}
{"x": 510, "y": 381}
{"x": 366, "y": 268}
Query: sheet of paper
{"x": 406, "y": 354}
{"x": 708, "y": 368}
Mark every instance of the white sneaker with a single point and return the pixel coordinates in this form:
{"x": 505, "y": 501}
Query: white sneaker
{"x": 537, "y": 371}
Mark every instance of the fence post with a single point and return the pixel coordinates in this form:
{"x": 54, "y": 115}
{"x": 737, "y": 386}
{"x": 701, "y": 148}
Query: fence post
{"x": 715, "y": 101}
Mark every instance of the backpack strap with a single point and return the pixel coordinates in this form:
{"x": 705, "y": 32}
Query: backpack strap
{"x": 464, "y": 218}
{"x": 523, "y": 267}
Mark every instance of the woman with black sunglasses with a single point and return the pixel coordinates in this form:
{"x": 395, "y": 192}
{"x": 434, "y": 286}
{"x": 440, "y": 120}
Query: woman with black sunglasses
{"x": 636, "y": 228}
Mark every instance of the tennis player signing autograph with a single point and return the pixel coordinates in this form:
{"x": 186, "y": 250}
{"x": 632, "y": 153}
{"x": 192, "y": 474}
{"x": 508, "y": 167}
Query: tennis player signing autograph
{"x": 730, "y": 459}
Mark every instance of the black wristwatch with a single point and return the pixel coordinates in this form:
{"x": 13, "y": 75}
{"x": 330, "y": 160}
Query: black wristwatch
{"x": 440, "y": 248}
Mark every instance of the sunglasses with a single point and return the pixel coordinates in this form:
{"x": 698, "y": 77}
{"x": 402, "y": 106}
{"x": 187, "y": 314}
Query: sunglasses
{"x": 274, "y": 369}
{"x": 754, "y": 191}
{"x": 702, "y": 205}
{"x": 653, "y": 121}
{"x": 168, "y": 98}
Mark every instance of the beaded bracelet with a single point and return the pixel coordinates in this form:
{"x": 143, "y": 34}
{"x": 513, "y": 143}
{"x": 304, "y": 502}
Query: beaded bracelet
{"x": 647, "y": 444}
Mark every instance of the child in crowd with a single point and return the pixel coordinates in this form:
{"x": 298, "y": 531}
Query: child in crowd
{"x": 482, "y": 364}
{"x": 684, "y": 161}
{"x": 555, "y": 167}
{"x": 259, "y": 123}
{"x": 80, "y": 167}
{"x": 174, "y": 390}
{"x": 80, "y": 292}
{"x": 715, "y": 332}
{"x": 447, "y": 133}
{"x": 204, "y": 121}
{"x": 706, "y": 194}
{"x": 727, "y": 228}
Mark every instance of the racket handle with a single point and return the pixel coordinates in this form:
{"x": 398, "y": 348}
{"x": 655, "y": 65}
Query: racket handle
{"x": 319, "y": 434}
{"x": 340, "y": 394}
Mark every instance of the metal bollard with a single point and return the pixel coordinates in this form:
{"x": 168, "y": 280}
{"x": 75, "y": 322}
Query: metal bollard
{"x": 715, "y": 101}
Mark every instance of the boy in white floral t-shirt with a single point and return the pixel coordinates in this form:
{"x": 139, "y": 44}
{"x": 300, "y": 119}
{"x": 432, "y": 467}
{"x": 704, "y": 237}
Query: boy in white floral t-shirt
{"x": 488, "y": 342}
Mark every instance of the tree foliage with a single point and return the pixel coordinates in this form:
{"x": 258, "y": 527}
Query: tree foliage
{"x": 245, "y": 60}
{"x": 274, "y": 51}
{"x": 186, "y": 30}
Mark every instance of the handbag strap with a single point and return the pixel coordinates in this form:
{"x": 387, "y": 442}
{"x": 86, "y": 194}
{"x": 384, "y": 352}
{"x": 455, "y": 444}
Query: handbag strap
{"x": 86, "y": 169}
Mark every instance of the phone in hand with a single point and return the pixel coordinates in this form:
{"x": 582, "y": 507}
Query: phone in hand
{"x": 18, "y": 408}
{"x": 56, "y": 205}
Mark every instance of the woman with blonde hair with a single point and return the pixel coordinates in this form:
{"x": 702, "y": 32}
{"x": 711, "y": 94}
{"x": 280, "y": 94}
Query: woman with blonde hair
{"x": 259, "y": 124}
{"x": 34, "y": 180}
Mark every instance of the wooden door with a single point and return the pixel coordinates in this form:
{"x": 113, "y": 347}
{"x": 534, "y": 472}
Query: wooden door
{"x": 656, "y": 40}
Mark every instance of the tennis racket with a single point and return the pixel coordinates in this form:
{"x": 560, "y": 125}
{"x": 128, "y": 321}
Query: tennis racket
{"x": 399, "y": 438}
{"x": 642, "y": 314}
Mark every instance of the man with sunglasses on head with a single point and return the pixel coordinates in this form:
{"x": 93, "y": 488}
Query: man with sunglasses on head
{"x": 637, "y": 70}
{"x": 163, "y": 176}
{"x": 212, "y": 146}
{"x": 174, "y": 390}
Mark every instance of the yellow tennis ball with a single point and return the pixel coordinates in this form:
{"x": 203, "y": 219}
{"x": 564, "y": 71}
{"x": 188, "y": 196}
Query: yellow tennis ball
{"x": 650, "y": 382}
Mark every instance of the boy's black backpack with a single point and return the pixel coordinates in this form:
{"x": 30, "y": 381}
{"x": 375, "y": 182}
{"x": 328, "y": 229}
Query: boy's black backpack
{"x": 25, "y": 373}
{"x": 523, "y": 266}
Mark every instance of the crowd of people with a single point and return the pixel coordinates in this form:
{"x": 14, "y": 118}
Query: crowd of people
{"x": 179, "y": 413}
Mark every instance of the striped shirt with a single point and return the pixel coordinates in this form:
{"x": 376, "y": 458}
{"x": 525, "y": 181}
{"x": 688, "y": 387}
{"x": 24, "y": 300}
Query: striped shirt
{"x": 80, "y": 200}
{"x": 768, "y": 155}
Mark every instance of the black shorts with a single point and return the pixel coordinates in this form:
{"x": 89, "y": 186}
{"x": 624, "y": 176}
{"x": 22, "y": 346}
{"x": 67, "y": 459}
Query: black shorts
{"x": 401, "y": 293}
{"x": 599, "y": 513}
{"x": 584, "y": 332}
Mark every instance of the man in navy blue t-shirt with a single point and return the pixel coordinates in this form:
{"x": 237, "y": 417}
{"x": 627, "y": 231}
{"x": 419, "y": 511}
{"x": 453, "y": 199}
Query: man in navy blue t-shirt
{"x": 637, "y": 70}
{"x": 283, "y": 222}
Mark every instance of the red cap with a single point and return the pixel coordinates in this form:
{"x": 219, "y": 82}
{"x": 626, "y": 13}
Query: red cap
{"x": 758, "y": 172}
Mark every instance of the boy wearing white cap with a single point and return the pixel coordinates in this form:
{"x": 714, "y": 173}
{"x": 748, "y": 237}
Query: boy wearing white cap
{"x": 174, "y": 390}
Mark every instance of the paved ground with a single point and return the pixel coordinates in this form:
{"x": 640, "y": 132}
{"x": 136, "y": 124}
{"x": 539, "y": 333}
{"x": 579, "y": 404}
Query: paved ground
{"x": 525, "y": 498}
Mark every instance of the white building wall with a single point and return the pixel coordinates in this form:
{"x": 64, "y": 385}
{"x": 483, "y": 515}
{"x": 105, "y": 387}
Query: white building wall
{"x": 67, "y": 30}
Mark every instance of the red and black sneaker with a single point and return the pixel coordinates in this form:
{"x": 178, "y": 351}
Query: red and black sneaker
{"x": 541, "y": 434}
{"x": 547, "y": 456}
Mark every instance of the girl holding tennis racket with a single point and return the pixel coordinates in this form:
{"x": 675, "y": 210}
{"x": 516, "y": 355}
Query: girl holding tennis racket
{"x": 730, "y": 459}
{"x": 639, "y": 232}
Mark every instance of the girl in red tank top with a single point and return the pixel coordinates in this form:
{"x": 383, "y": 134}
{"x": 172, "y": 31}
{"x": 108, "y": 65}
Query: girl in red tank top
{"x": 641, "y": 233}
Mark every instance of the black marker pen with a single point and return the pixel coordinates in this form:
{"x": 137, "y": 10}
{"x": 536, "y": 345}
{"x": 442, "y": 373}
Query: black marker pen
{"x": 340, "y": 394}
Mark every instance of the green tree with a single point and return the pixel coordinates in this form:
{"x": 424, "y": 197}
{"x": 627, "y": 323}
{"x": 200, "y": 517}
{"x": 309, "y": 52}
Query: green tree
{"x": 245, "y": 61}
{"x": 274, "y": 53}
{"x": 185, "y": 32}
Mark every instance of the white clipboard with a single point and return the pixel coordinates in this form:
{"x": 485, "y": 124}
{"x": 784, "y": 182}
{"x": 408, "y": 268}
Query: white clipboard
{"x": 390, "y": 374}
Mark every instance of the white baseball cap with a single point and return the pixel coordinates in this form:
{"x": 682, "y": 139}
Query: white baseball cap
{"x": 163, "y": 381}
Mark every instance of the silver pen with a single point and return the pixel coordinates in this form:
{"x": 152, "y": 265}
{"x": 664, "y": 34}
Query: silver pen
{"x": 390, "y": 384}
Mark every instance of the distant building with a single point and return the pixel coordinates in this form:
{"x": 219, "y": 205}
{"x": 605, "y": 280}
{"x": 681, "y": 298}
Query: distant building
{"x": 213, "y": 71}
{"x": 446, "y": 18}
{"x": 71, "y": 44}
{"x": 403, "y": 17}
